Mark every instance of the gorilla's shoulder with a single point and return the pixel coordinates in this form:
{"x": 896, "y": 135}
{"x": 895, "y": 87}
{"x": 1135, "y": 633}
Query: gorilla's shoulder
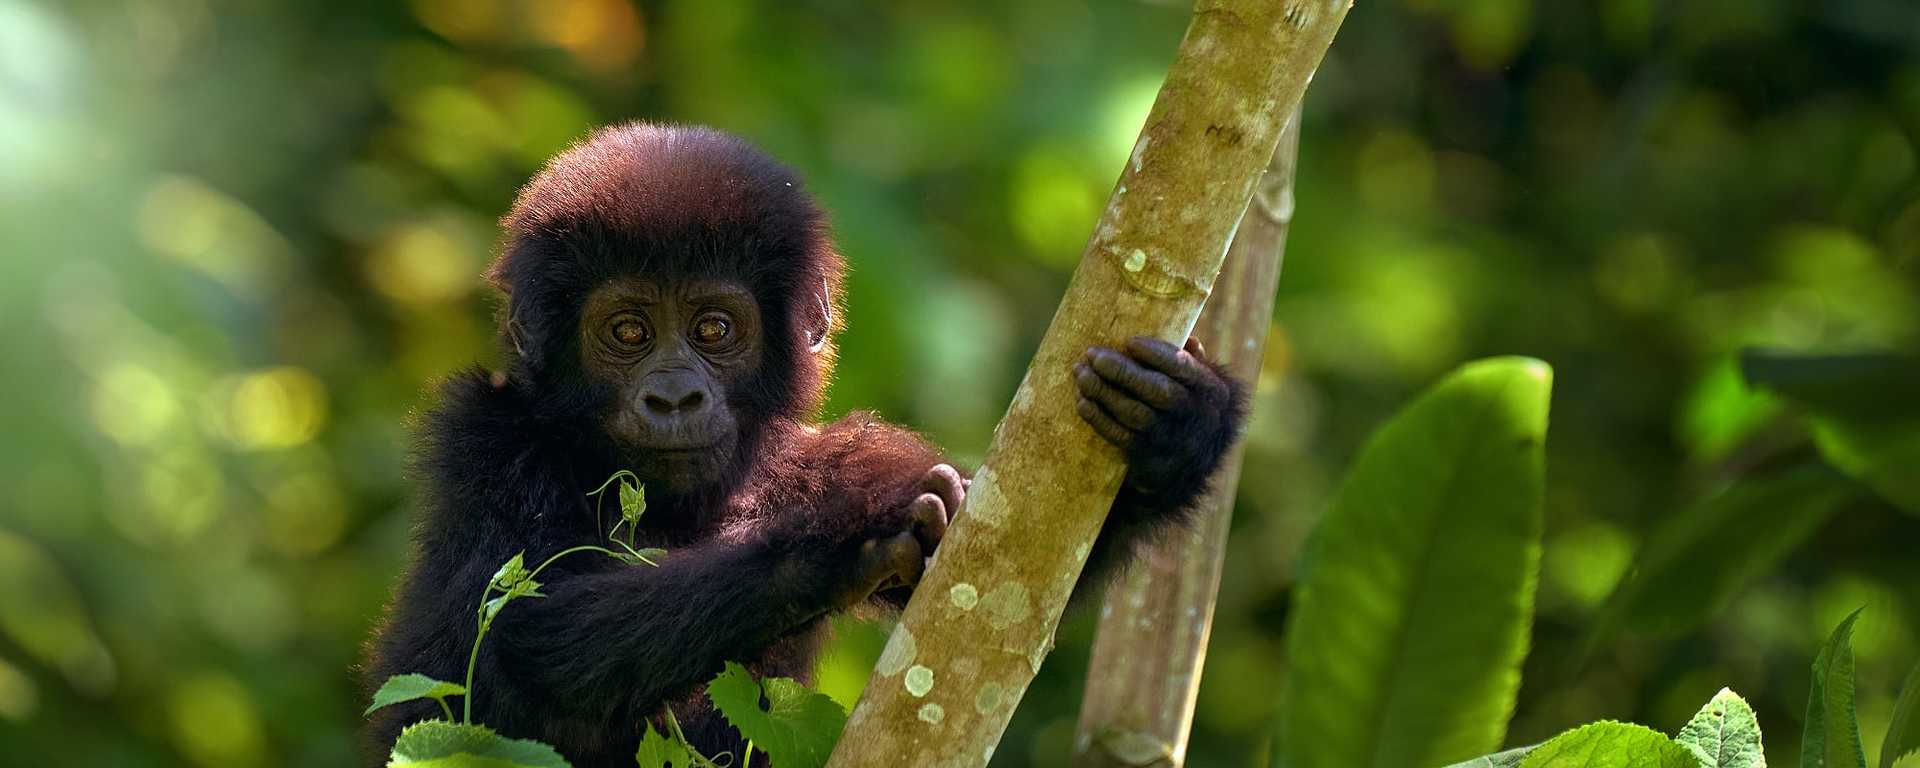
{"x": 480, "y": 427}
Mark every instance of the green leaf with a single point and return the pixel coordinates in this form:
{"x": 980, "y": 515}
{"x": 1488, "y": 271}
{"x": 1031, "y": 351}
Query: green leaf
{"x": 1415, "y": 596}
{"x": 633, "y": 502}
{"x": 1865, "y": 386}
{"x": 401, "y": 688}
{"x": 1832, "y": 738}
{"x": 440, "y": 744}
{"x": 1608, "y": 744}
{"x": 1724, "y": 734}
{"x": 1508, "y": 759}
{"x": 657, "y": 751}
{"x": 511, "y": 572}
{"x": 799, "y": 728}
{"x": 1697, "y": 561}
{"x": 1903, "y": 734}
{"x": 1865, "y": 421}
{"x": 1880, "y": 455}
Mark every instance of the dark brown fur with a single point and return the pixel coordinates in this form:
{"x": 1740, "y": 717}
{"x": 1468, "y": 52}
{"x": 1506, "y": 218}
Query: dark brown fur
{"x": 756, "y": 555}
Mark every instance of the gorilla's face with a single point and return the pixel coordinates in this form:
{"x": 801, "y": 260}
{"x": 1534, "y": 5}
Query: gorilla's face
{"x": 675, "y": 353}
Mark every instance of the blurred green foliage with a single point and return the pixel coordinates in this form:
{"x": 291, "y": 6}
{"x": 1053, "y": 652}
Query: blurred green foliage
{"x": 240, "y": 240}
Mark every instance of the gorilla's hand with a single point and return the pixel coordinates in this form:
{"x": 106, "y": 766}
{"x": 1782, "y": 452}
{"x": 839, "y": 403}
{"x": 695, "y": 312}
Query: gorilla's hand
{"x": 1167, "y": 408}
{"x": 892, "y": 558}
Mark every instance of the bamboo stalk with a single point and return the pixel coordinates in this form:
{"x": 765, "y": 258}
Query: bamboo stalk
{"x": 1152, "y": 642}
{"x": 983, "y": 617}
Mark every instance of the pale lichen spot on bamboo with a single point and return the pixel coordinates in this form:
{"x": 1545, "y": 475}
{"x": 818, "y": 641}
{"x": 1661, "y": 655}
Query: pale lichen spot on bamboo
{"x": 989, "y": 698}
{"x": 932, "y": 713}
{"x": 919, "y": 680}
{"x": 985, "y": 503}
{"x": 964, "y": 596}
{"x": 1007, "y": 605}
{"x": 1139, "y": 152}
{"x": 898, "y": 653}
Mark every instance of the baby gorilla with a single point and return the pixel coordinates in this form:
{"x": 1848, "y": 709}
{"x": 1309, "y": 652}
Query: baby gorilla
{"x": 670, "y": 311}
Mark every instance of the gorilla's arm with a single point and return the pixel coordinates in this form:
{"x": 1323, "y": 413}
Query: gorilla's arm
{"x": 1174, "y": 415}
{"x": 828, "y": 520}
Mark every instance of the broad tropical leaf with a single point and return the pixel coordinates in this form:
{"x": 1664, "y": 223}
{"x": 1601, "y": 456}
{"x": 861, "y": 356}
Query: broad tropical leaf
{"x": 1724, "y": 734}
{"x": 440, "y": 744}
{"x": 1611, "y": 745}
{"x": 1832, "y": 739}
{"x": 1865, "y": 420}
{"x": 1415, "y": 596}
{"x": 1698, "y": 560}
{"x": 797, "y": 730}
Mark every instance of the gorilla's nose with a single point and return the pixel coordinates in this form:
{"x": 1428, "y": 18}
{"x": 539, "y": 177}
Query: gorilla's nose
{"x": 673, "y": 398}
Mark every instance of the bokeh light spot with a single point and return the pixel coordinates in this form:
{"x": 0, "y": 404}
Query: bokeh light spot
{"x": 133, "y": 405}
{"x": 213, "y": 233}
{"x": 275, "y": 408}
{"x": 1053, "y": 206}
{"x": 215, "y": 722}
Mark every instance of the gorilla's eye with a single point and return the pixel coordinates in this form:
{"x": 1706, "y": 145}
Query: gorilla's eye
{"x": 712, "y": 328}
{"x": 632, "y": 332}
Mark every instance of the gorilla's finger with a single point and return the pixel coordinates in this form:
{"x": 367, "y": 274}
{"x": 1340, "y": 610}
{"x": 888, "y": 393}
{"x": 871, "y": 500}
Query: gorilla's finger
{"x": 1183, "y": 365}
{"x": 928, "y": 516}
{"x": 1137, "y": 381}
{"x": 944, "y": 481}
{"x": 1195, "y": 348}
{"x": 1104, "y": 425}
{"x": 1131, "y": 413}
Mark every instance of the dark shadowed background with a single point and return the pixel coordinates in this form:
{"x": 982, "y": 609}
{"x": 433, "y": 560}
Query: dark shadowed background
{"x": 239, "y": 241}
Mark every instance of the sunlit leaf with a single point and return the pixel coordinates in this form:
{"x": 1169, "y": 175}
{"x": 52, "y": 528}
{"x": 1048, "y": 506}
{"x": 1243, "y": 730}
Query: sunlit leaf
{"x": 1724, "y": 734}
{"x": 441, "y": 744}
{"x": 1903, "y": 734}
{"x": 1610, "y": 745}
{"x": 1697, "y": 560}
{"x": 1832, "y": 738}
{"x": 797, "y": 730}
{"x": 657, "y": 751}
{"x": 633, "y": 502}
{"x": 1415, "y": 597}
{"x": 511, "y": 572}
{"x": 411, "y": 687}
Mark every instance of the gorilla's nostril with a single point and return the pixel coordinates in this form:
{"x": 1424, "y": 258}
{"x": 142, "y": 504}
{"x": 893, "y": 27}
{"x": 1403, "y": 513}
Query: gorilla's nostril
{"x": 671, "y": 403}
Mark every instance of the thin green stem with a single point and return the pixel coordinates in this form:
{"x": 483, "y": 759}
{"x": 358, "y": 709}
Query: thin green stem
{"x": 444, "y": 709}
{"x": 473, "y": 657}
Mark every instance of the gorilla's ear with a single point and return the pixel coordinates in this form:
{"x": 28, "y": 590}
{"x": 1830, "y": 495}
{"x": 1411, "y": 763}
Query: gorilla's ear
{"x": 819, "y": 318}
{"x": 515, "y": 333}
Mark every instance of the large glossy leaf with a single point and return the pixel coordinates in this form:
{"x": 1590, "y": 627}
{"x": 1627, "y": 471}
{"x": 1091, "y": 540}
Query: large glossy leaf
{"x": 1698, "y": 560}
{"x": 1832, "y": 739}
{"x": 1725, "y": 734}
{"x": 1903, "y": 734}
{"x": 798, "y": 728}
{"x": 1866, "y": 420}
{"x": 1416, "y": 593}
{"x": 1611, "y": 745}
{"x": 440, "y": 744}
